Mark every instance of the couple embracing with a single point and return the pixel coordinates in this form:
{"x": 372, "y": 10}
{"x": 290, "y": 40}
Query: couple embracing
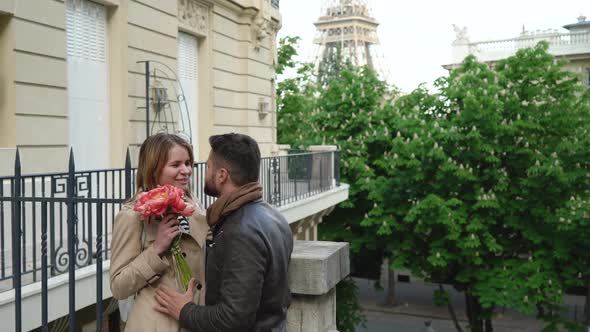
{"x": 237, "y": 252}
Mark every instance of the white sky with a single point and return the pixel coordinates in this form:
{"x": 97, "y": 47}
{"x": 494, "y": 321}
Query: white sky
{"x": 416, "y": 35}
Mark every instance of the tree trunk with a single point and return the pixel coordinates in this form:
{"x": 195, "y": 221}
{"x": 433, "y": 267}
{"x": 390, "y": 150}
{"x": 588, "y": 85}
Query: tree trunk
{"x": 474, "y": 312}
{"x": 451, "y": 311}
{"x": 390, "y": 301}
{"x": 489, "y": 327}
{"x": 540, "y": 311}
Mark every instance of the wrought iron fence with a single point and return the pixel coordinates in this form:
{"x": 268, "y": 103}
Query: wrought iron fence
{"x": 52, "y": 224}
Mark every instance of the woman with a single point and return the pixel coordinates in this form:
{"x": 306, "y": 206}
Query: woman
{"x": 141, "y": 259}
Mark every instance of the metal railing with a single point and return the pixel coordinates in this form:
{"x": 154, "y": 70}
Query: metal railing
{"x": 52, "y": 224}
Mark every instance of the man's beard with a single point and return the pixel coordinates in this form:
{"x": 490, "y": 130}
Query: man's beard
{"x": 210, "y": 190}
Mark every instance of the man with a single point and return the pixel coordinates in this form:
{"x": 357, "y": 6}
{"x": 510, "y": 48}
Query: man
{"x": 249, "y": 247}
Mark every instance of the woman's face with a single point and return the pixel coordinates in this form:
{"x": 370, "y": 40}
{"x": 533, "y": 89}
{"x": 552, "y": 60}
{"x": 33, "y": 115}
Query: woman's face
{"x": 178, "y": 169}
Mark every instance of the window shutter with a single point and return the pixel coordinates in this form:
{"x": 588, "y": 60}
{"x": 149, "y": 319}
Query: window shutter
{"x": 187, "y": 56}
{"x": 86, "y": 30}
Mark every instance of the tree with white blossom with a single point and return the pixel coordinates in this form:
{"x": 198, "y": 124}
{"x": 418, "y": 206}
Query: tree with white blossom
{"x": 485, "y": 185}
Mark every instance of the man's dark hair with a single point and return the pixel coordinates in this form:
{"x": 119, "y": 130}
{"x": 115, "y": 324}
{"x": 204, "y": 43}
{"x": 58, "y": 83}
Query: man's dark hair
{"x": 239, "y": 154}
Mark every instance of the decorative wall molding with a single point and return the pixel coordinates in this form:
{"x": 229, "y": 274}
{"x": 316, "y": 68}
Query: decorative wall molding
{"x": 261, "y": 24}
{"x": 194, "y": 17}
{"x": 274, "y": 30}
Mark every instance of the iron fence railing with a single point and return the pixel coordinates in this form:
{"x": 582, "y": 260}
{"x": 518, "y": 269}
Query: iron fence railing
{"x": 52, "y": 224}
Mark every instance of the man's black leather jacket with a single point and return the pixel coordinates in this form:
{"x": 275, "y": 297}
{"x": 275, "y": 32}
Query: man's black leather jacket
{"x": 246, "y": 275}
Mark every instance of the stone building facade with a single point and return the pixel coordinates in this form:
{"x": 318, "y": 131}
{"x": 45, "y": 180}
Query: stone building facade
{"x": 72, "y": 75}
{"x": 572, "y": 44}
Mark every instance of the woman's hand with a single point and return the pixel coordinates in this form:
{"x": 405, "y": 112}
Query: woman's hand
{"x": 167, "y": 231}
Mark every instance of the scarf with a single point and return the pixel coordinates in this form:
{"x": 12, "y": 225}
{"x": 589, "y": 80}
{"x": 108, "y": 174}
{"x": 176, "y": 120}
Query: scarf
{"x": 229, "y": 203}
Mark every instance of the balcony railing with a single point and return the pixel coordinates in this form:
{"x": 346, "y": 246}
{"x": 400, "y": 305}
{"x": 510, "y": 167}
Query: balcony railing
{"x": 559, "y": 44}
{"x": 52, "y": 224}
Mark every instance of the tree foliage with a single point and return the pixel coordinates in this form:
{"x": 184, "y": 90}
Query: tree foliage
{"x": 296, "y": 97}
{"x": 331, "y": 65}
{"x": 486, "y": 182}
{"x": 348, "y": 308}
{"x": 483, "y": 184}
{"x": 298, "y": 101}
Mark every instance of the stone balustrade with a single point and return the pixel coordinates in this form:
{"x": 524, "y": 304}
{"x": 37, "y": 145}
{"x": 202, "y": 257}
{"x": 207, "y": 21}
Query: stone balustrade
{"x": 492, "y": 50}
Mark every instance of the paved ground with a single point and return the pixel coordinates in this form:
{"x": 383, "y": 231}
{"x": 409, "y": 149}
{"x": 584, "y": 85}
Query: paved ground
{"x": 415, "y": 307}
{"x": 380, "y": 322}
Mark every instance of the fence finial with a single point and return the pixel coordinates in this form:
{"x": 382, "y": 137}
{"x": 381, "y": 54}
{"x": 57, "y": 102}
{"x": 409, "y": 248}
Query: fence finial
{"x": 17, "y": 168}
{"x": 128, "y": 159}
{"x": 71, "y": 164}
{"x": 128, "y": 175}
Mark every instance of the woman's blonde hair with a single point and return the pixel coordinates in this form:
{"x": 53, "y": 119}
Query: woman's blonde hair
{"x": 153, "y": 156}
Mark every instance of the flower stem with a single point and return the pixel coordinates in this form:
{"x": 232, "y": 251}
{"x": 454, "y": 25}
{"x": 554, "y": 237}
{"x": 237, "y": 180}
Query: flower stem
{"x": 183, "y": 271}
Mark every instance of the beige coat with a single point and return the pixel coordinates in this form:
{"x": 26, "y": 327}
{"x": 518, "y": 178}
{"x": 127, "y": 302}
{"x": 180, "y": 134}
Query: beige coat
{"x": 140, "y": 272}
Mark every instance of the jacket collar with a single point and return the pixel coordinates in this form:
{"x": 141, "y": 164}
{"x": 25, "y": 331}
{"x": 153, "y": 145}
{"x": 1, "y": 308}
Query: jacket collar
{"x": 199, "y": 228}
{"x": 198, "y": 224}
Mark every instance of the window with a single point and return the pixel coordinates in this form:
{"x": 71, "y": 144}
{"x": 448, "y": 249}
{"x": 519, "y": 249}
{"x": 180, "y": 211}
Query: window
{"x": 88, "y": 105}
{"x": 187, "y": 76}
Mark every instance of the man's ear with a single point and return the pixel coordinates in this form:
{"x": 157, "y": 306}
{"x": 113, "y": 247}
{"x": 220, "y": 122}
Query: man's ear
{"x": 223, "y": 176}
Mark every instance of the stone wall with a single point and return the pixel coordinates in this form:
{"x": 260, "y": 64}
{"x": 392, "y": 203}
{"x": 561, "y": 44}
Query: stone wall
{"x": 33, "y": 96}
{"x": 236, "y": 58}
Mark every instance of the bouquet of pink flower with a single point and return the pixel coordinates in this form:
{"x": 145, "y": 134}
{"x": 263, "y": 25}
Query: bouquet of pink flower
{"x": 159, "y": 202}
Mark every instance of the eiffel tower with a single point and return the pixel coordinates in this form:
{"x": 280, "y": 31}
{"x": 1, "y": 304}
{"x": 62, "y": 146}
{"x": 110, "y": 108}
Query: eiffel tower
{"x": 347, "y": 30}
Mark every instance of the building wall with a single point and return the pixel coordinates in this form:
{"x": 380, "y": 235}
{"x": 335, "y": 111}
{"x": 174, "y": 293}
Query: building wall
{"x": 573, "y": 46}
{"x": 236, "y": 52}
{"x": 34, "y": 103}
{"x": 581, "y": 66}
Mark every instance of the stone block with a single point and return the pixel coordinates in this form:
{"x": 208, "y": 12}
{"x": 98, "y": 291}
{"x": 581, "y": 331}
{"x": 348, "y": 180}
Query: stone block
{"x": 317, "y": 266}
{"x": 312, "y": 313}
{"x": 316, "y": 148}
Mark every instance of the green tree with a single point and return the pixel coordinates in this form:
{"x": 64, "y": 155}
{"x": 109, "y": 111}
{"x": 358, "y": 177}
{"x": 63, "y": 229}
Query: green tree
{"x": 295, "y": 94}
{"x": 479, "y": 178}
{"x": 349, "y": 114}
{"x": 331, "y": 65}
{"x": 300, "y": 103}
{"x": 482, "y": 184}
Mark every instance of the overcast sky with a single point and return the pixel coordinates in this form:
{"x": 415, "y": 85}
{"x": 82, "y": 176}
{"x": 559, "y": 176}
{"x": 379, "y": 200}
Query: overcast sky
{"x": 416, "y": 35}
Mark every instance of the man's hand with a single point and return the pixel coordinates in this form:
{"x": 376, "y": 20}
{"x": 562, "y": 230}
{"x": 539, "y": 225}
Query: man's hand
{"x": 171, "y": 302}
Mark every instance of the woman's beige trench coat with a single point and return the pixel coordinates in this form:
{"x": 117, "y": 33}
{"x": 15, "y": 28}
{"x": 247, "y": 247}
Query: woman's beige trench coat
{"x": 140, "y": 272}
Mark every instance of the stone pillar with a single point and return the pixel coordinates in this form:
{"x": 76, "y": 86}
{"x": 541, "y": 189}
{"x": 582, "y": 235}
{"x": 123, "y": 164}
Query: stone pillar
{"x": 321, "y": 165}
{"x": 316, "y": 267}
{"x": 280, "y": 149}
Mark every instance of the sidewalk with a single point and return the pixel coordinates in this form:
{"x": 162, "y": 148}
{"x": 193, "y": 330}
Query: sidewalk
{"x": 415, "y": 300}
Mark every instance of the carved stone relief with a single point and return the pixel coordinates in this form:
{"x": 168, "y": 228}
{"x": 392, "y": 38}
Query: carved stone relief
{"x": 194, "y": 15}
{"x": 461, "y": 34}
{"x": 260, "y": 28}
{"x": 274, "y": 57}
